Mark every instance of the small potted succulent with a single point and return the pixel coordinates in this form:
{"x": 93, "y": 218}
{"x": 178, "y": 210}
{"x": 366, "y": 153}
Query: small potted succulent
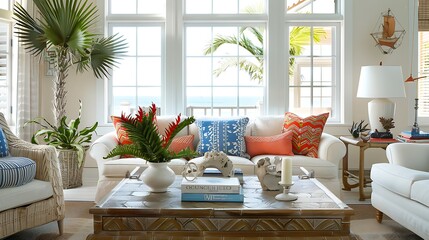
{"x": 358, "y": 128}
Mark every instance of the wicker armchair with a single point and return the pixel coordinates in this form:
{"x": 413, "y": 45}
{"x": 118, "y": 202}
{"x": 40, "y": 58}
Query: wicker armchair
{"x": 47, "y": 169}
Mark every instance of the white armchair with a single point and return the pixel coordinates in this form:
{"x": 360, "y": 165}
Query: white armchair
{"x": 400, "y": 187}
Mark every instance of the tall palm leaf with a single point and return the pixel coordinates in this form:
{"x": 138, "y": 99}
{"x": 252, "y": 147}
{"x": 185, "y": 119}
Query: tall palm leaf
{"x": 62, "y": 34}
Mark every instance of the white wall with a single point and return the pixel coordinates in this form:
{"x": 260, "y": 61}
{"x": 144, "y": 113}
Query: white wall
{"x": 359, "y": 47}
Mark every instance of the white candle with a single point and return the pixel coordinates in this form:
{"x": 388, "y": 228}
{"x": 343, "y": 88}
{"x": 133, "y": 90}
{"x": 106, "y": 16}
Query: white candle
{"x": 286, "y": 177}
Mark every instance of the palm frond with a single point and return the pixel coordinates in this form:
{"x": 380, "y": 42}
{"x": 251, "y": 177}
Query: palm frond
{"x": 103, "y": 55}
{"x": 29, "y": 32}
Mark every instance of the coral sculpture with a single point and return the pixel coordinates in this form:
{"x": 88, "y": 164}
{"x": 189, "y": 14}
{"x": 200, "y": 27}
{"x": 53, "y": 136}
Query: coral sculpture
{"x": 387, "y": 123}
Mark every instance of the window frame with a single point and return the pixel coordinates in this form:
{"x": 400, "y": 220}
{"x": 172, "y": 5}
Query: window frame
{"x": 275, "y": 100}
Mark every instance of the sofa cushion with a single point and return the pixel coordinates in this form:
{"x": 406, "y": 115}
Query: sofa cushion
{"x": 4, "y": 148}
{"x": 16, "y": 171}
{"x": 180, "y": 143}
{"x": 267, "y": 125}
{"x": 280, "y": 144}
{"x": 246, "y": 166}
{"x": 395, "y": 178}
{"x": 33, "y": 191}
{"x": 420, "y": 193}
{"x": 225, "y": 135}
{"x": 322, "y": 168}
{"x": 306, "y": 132}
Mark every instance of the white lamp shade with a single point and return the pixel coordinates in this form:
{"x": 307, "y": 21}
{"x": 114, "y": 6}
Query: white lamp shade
{"x": 381, "y": 82}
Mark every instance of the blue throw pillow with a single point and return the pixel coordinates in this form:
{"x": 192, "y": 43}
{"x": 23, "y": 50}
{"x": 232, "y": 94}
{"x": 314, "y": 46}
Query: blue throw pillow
{"x": 226, "y": 135}
{"x": 4, "y": 148}
{"x": 16, "y": 171}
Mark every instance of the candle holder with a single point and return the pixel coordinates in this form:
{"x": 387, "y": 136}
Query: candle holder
{"x": 286, "y": 196}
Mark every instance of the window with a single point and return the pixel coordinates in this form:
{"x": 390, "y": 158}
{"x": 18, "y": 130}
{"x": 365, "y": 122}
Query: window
{"x": 212, "y": 57}
{"x": 224, "y": 62}
{"x": 312, "y": 72}
{"x": 138, "y": 80}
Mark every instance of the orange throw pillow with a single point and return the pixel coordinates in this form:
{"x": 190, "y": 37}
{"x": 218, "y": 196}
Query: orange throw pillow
{"x": 180, "y": 143}
{"x": 280, "y": 144}
{"x": 306, "y": 132}
{"x": 121, "y": 133}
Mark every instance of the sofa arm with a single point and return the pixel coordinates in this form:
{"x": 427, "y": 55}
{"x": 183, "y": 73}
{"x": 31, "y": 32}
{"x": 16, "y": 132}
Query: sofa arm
{"x": 331, "y": 149}
{"x": 101, "y": 147}
{"x": 409, "y": 155}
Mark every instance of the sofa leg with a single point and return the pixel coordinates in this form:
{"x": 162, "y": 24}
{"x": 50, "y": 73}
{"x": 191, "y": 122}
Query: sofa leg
{"x": 379, "y": 216}
{"x": 60, "y": 226}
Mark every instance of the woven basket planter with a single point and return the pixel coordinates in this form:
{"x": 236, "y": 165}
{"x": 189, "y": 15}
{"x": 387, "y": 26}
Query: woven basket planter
{"x": 70, "y": 171}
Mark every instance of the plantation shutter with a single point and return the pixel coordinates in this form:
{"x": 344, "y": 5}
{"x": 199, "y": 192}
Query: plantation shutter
{"x": 423, "y": 68}
{"x": 4, "y": 59}
{"x": 424, "y": 15}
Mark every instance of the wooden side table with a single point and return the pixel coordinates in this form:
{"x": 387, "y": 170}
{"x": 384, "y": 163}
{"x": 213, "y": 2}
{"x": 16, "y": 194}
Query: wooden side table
{"x": 372, "y": 143}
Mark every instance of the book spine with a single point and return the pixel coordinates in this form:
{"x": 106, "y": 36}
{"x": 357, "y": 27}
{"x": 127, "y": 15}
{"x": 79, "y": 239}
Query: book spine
{"x": 211, "y": 197}
{"x": 209, "y": 189}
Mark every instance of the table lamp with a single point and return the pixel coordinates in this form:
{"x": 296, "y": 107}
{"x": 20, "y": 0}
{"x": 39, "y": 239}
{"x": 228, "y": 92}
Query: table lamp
{"x": 380, "y": 83}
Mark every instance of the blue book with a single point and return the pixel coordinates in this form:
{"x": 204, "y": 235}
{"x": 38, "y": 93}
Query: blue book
{"x": 211, "y": 185}
{"x": 212, "y": 197}
{"x": 409, "y": 134}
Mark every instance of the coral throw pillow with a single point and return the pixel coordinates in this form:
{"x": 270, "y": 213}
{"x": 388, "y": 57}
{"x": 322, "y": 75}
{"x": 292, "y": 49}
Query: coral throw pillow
{"x": 222, "y": 135}
{"x": 121, "y": 133}
{"x": 180, "y": 143}
{"x": 280, "y": 144}
{"x": 306, "y": 132}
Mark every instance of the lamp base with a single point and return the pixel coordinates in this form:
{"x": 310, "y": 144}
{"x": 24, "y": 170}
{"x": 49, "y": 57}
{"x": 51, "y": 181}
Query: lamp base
{"x": 380, "y": 107}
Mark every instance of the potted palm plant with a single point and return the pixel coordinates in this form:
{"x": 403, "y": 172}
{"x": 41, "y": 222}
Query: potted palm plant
{"x": 70, "y": 142}
{"x": 62, "y": 35}
{"x": 149, "y": 144}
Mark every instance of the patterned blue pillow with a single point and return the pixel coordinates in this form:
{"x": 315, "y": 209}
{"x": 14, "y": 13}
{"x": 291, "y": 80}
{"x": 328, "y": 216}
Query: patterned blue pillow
{"x": 16, "y": 171}
{"x": 4, "y": 148}
{"x": 222, "y": 135}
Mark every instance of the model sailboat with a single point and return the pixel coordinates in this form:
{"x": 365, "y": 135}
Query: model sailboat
{"x": 388, "y": 35}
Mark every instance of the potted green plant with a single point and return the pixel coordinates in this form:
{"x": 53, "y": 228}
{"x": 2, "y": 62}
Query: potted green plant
{"x": 70, "y": 142}
{"x": 63, "y": 35}
{"x": 149, "y": 144}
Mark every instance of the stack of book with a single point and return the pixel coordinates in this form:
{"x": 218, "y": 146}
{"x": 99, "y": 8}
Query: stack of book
{"x": 212, "y": 189}
{"x": 214, "y": 172}
{"x": 406, "y": 136}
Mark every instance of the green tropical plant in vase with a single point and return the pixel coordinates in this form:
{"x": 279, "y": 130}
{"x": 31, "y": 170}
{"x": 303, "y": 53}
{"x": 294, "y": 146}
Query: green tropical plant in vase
{"x": 62, "y": 35}
{"x": 65, "y": 136}
{"x": 146, "y": 141}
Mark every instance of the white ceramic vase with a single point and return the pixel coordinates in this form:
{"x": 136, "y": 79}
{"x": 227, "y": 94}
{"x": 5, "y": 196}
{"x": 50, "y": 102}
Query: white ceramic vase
{"x": 158, "y": 176}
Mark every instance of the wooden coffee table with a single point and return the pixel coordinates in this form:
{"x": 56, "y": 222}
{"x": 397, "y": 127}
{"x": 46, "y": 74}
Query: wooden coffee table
{"x": 131, "y": 212}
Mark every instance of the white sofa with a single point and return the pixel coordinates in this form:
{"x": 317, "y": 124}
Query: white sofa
{"x": 326, "y": 167}
{"x": 400, "y": 188}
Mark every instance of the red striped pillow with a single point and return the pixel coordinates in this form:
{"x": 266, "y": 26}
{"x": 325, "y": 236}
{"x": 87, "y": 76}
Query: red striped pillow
{"x": 306, "y": 132}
